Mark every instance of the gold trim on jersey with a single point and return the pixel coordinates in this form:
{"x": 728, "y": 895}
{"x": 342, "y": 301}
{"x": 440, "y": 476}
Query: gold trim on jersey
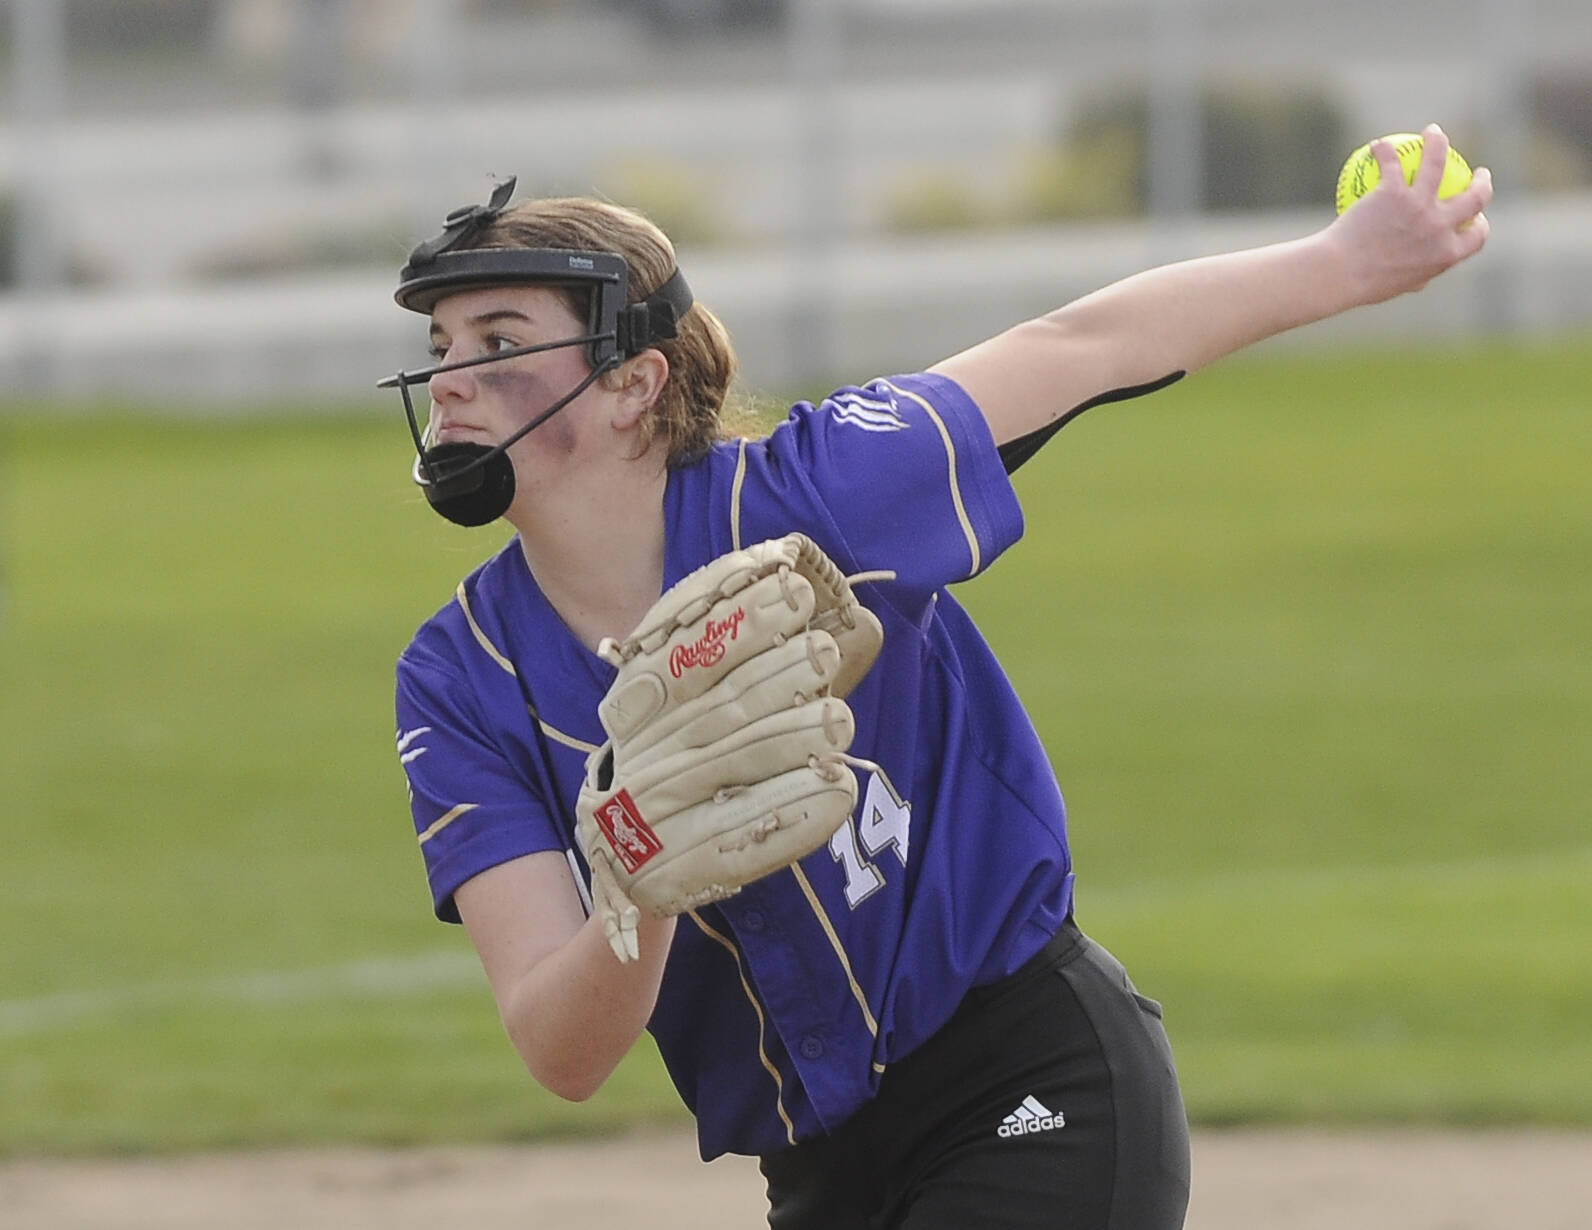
{"x": 762, "y": 1023}
{"x": 480, "y": 636}
{"x": 735, "y": 495}
{"x": 442, "y": 822}
{"x": 840, "y": 952}
{"x": 956, "y": 489}
{"x": 558, "y": 736}
{"x": 552, "y": 732}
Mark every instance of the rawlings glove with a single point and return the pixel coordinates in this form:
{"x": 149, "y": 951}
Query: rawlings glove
{"x": 727, "y": 734}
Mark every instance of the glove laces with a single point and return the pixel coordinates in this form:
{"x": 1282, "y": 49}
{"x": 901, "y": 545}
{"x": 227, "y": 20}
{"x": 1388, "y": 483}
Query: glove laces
{"x": 832, "y": 767}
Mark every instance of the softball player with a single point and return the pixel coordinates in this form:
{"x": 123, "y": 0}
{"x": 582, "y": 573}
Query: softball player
{"x": 907, "y": 1027}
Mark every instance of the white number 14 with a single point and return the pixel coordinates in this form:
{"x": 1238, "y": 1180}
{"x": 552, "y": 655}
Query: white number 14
{"x": 886, "y": 821}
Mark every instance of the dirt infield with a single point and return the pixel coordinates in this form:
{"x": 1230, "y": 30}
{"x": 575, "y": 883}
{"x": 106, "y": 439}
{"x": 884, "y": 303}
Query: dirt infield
{"x": 1279, "y": 1180}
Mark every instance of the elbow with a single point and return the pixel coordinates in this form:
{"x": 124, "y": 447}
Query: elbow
{"x": 570, "y": 1067}
{"x": 571, "y": 1081}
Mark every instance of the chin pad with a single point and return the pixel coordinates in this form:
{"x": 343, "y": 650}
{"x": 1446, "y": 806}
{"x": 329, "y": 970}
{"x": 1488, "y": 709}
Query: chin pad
{"x": 469, "y": 484}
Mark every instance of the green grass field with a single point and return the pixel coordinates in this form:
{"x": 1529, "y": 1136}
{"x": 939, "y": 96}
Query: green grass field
{"x": 1309, "y": 637}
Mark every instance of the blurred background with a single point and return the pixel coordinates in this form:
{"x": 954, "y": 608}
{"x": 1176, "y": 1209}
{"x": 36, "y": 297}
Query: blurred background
{"x": 206, "y": 200}
{"x": 1321, "y": 695}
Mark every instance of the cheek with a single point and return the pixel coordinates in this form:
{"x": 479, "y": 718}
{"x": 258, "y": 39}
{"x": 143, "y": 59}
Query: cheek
{"x": 515, "y": 388}
{"x": 529, "y": 394}
{"x": 558, "y": 435}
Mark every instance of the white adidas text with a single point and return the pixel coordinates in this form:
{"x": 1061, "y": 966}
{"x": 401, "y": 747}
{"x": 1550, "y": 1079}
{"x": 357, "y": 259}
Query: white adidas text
{"x": 1031, "y": 1116}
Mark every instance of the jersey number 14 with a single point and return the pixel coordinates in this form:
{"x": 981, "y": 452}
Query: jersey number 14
{"x": 885, "y": 822}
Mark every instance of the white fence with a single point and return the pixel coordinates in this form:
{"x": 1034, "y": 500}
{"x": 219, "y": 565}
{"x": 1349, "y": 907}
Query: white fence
{"x": 794, "y": 139}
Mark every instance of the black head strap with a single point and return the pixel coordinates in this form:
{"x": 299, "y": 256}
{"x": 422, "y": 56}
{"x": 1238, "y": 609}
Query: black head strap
{"x": 618, "y": 329}
{"x": 462, "y": 223}
{"x": 656, "y": 318}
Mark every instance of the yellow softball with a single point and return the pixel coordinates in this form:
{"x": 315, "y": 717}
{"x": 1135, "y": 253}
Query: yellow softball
{"x": 1362, "y": 172}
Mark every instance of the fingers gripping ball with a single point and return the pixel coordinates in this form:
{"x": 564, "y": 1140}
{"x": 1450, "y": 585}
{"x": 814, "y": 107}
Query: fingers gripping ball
{"x": 727, "y": 730}
{"x": 1361, "y": 173}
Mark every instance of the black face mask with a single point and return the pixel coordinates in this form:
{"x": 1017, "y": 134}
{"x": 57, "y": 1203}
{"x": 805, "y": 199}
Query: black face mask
{"x": 469, "y": 484}
{"x": 473, "y": 484}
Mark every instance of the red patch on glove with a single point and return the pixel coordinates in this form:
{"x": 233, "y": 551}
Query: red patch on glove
{"x": 631, "y": 837}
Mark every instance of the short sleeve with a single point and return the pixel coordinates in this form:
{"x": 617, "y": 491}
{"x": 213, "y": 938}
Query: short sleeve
{"x": 473, "y": 808}
{"x": 909, "y": 475}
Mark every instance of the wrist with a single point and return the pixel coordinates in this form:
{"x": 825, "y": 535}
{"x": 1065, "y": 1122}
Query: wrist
{"x": 1339, "y": 273}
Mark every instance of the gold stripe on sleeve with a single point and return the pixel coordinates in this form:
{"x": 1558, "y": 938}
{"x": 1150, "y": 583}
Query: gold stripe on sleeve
{"x": 442, "y": 822}
{"x": 735, "y": 496}
{"x": 956, "y": 489}
{"x": 762, "y": 1023}
{"x": 475, "y": 628}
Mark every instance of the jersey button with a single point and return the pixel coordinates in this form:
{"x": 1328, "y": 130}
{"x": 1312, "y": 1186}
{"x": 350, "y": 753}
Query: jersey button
{"x": 811, "y": 1047}
{"x": 753, "y": 921}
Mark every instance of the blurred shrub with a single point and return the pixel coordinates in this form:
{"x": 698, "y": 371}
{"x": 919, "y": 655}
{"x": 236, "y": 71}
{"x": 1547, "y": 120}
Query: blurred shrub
{"x": 939, "y": 199}
{"x": 1553, "y": 164}
{"x": 1098, "y": 174}
{"x": 676, "y": 197}
{"x": 308, "y": 250}
{"x": 8, "y": 239}
{"x": 1264, "y": 147}
{"x": 1271, "y": 148}
{"x": 514, "y": 8}
{"x": 1560, "y": 155}
{"x": 691, "y": 18}
{"x": 138, "y": 25}
{"x": 79, "y": 268}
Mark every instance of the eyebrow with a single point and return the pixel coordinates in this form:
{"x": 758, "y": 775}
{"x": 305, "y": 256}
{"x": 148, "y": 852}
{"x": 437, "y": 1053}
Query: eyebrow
{"x": 487, "y": 318}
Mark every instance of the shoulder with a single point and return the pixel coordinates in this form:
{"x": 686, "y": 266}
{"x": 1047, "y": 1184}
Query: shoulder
{"x": 849, "y": 433}
{"x": 901, "y": 422}
{"x": 899, "y": 473}
{"x": 887, "y": 405}
{"x": 445, "y": 636}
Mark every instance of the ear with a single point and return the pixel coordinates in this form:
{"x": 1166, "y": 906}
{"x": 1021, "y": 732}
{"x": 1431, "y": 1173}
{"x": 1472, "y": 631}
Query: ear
{"x": 638, "y": 383}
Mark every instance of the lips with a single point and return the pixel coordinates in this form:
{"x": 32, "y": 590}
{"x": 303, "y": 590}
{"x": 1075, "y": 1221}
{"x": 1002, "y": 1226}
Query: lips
{"x": 449, "y": 429}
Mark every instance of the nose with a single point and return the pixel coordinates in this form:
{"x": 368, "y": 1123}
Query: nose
{"x": 456, "y": 385}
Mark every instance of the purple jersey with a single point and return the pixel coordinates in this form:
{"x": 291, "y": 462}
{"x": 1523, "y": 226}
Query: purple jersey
{"x": 782, "y": 1006}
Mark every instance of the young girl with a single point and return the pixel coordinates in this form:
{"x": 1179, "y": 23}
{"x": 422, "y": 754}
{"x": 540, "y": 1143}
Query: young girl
{"x": 907, "y": 1027}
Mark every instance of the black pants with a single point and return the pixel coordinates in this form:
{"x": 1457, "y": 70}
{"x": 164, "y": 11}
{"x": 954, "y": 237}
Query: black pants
{"x": 1049, "y": 1100}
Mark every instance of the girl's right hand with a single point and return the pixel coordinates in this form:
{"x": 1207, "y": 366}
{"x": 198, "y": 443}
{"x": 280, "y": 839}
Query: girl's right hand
{"x": 1400, "y": 235}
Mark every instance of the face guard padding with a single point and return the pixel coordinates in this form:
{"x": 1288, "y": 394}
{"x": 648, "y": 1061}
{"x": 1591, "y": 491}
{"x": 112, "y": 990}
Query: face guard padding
{"x": 473, "y": 484}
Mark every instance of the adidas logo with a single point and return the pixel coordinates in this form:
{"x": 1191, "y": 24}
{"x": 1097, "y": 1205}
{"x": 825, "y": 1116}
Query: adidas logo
{"x": 1030, "y": 1116}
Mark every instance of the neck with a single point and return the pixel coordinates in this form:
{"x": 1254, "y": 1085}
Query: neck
{"x": 596, "y": 550}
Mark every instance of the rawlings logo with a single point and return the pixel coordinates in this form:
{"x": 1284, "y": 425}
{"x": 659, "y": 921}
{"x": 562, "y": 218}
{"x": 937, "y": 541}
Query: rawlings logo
{"x": 631, "y": 837}
{"x": 710, "y": 647}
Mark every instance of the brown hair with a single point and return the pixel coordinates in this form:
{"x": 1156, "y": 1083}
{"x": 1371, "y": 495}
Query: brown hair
{"x": 689, "y": 413}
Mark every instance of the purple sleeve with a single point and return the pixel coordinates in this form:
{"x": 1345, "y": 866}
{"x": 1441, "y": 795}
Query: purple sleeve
{"x": 909, "y": 475}
{"x": 473, "y": 809}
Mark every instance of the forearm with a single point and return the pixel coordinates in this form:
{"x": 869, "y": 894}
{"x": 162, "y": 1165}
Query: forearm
{"x": 577, "y": 1012}
{"x": 1185, "y": 316}
{"x": 570, "y": 1007}
{"x": 1174, "y": 318}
